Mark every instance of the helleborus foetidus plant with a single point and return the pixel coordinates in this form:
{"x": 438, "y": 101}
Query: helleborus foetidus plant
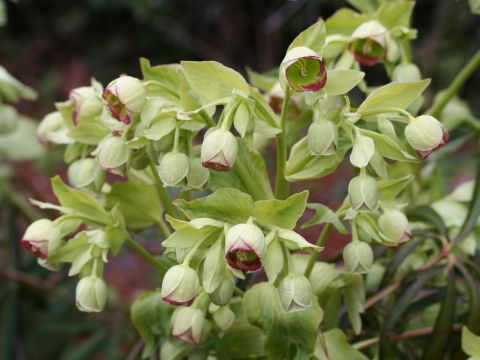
{"x": 235, "y": 265}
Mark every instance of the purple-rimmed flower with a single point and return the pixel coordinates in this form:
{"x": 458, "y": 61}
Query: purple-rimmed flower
{"x": 245, "y": 247}
{"x": 42, "y": 238}
{"x": 369, "y": 44}
{"x": 125, "y": 97}
{"x": 188, "y": 325}
{"x": 180, "y": 285}
{"x": 219, "y": 150}
{"x": 304, "y": 70}
{"x": 86, "y": 104}
{"x": 394, "y": 227}
{"x": 425, "y": 134}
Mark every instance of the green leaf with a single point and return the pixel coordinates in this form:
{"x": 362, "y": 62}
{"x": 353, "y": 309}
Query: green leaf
{"x": 341, "y": 81}
{"x": 188, "y": 236}
{"x": 72, "y": 249}
{"x": 227, "y": 205}
{"x": 323, "y": 214}
{"x": 344, "y": 22}
{"x": 473, "y": 316}
{"x": 388, "y": 190}
{"x": 281, "y": 213}
{"x": 387, "y": 147}
{"x": 395, "y": 94}
{"x": 273, "y": 260}
{"x": 165, "y": 77}
{"x": 397, "y": 14}
{"x": 151, "y": 317}
{"x": 212, "y": 80}
{"x": 293, "y": 240}
{"x": 313, "y": 38}
{"x": 83, "y": 204}
{"x": 365, "y": 6}
{"x": 88, "y": 133}
{"x": 116, "y": 236}
{"x": 249, "y": 174}
{"x": 213, "y": 267}
{"x": 438, "y": 341}
{"x": 338, "y": 347}
{"x": 470, "y": 342}
{"x": 139, "y": 203}
{"x": 287, "y": 335}
{"x": 301, "y": 165}
{"x": 264, "y": 81}
{"x": 22, "y": 144}
{"x": 354, "y": 301}
{"x": 429, "y": 215}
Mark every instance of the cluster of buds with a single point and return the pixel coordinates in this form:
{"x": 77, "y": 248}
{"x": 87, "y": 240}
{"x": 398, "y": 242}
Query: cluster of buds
{"x": 425, "y": 134}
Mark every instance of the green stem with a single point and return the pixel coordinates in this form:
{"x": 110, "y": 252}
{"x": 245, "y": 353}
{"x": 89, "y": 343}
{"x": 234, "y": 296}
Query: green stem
{"x": 238, "y": 291}
{"x": 246, "y": 178}
{"x": 456, "y": 84}
{"x": 286, "y": 258}
{"x": 163, "y": 228}
{"x": 166, "y": 201}
{"x": 314, "y": 255}
{"x": 145, "y": 254}
{"x": 282, "y": 186}
{"x": 21, "y": 204}
{"x": 207, "y": 118}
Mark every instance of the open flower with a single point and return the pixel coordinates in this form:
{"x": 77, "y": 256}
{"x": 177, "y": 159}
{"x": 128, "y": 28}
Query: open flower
{"x": 304, "y": 70}
{"x": 180, "y": 285}
{"x": 369, "y": 44}
{"x": 188, "y": 325}
{"x": 425, "y": 134}
{"x": 245, "y": 247}
{"x": 219, "y": 150}
{"x": 42, "y": 238}
{"x": 125, "y": 97}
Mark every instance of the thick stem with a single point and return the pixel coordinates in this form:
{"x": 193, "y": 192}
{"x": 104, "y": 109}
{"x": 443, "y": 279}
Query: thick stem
{"x": 314, "y": 255}
{"x": 456, "y": 84}
{"x": 282, "y": 186}
{"x": 166, "y": 201}
{"x": 145, "y": 254}
{"x": 164, "y": 228}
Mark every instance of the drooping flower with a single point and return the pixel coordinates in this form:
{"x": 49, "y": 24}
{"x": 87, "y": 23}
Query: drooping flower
{"x": 180, "y": 285}
{"x": 393, "y": 225}
{"x": 370, "y": 42}
{"x": 125, "y": 97}
{"x": 42, "y": 238}
{"x": 219, "y": 150}
{"x": 91, "y": 294}
{"x": 425, "y": 134}
{"x": 304, "y": 70}
{"x": 245, "y": 247}
{"x": 188, "y": 325}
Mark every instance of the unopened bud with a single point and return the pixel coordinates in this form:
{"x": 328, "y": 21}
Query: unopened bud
{"x": 86, "y": 174}
{"x": 86, "y": 104}
{"x": 363, "y": 193}
{"x": 425, "y": 134}
{"x": 198, "y": 176}
{"x": 295, "y": 293}
{"x": 53, "y": 130}
{"x": 42, "y": 238}
{"x": 224, "y": 292}
{"x": 394, "y": 227}
{"x": 224, "y": 318}
{"x": 358, "y": 257}
{"x": 188, "y": 325}
{"x": 245, "y": 247}
{"x": 304, "y": 70}
{"x": 8, "y": 119}
{"x": 219, "y": 150}
{"x": 406, "y": 72}
{"x": 91, "y": 294}
{"x": 369, "y": 44}
{"x": 180, "y": 285}
{"x": 173, "y": 168}
{"x": 113, "y": 153}
{"x": 322, "y": 138}
{"x": 125, "y": 97}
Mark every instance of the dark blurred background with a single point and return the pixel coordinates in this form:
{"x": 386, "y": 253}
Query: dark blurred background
{"x": 54, "y": 46}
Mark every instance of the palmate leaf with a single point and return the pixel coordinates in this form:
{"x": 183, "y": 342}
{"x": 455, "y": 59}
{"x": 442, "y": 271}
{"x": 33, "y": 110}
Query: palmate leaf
{"x": 281, "y": 213}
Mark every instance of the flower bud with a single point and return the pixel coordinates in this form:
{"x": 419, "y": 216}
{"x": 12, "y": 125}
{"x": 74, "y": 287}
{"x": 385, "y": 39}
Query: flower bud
{"x": 173, "y": 168}
{"x": 358, "y": 257}
{"x": 86, "y": 104}
{"x": 406, "y": 72}
{"x": 219, "y": 150}
{"x": 8, "y": 119}
{"x": 224, "y": 318}
{"x": 113, "y": 153}
{"x": 304, "y": 70}
{"x": 125, "y": 97}
{"x": 393, "y": 224}
{"x": 224, "y": 292}
{"x": 244, "y": 247}
{"x": 295, "y": 293}
{"x": 198, "y": 176}
{"x": 42, "y": 238}
{"x": 425, "y": 134}
{"x": 188, "y": 325}
{"x": 91, "y": 294}
{"x": 180, "y": 285}
{"x": 86, "y": 174}
{"x": 369, "y": 44}
{"x": 322, "y": 138}
{"x": 53, "y": 130}
{"x": 363, "y": 193}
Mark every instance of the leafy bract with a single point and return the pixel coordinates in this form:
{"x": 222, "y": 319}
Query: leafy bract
{"x": 281, "y": 213}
